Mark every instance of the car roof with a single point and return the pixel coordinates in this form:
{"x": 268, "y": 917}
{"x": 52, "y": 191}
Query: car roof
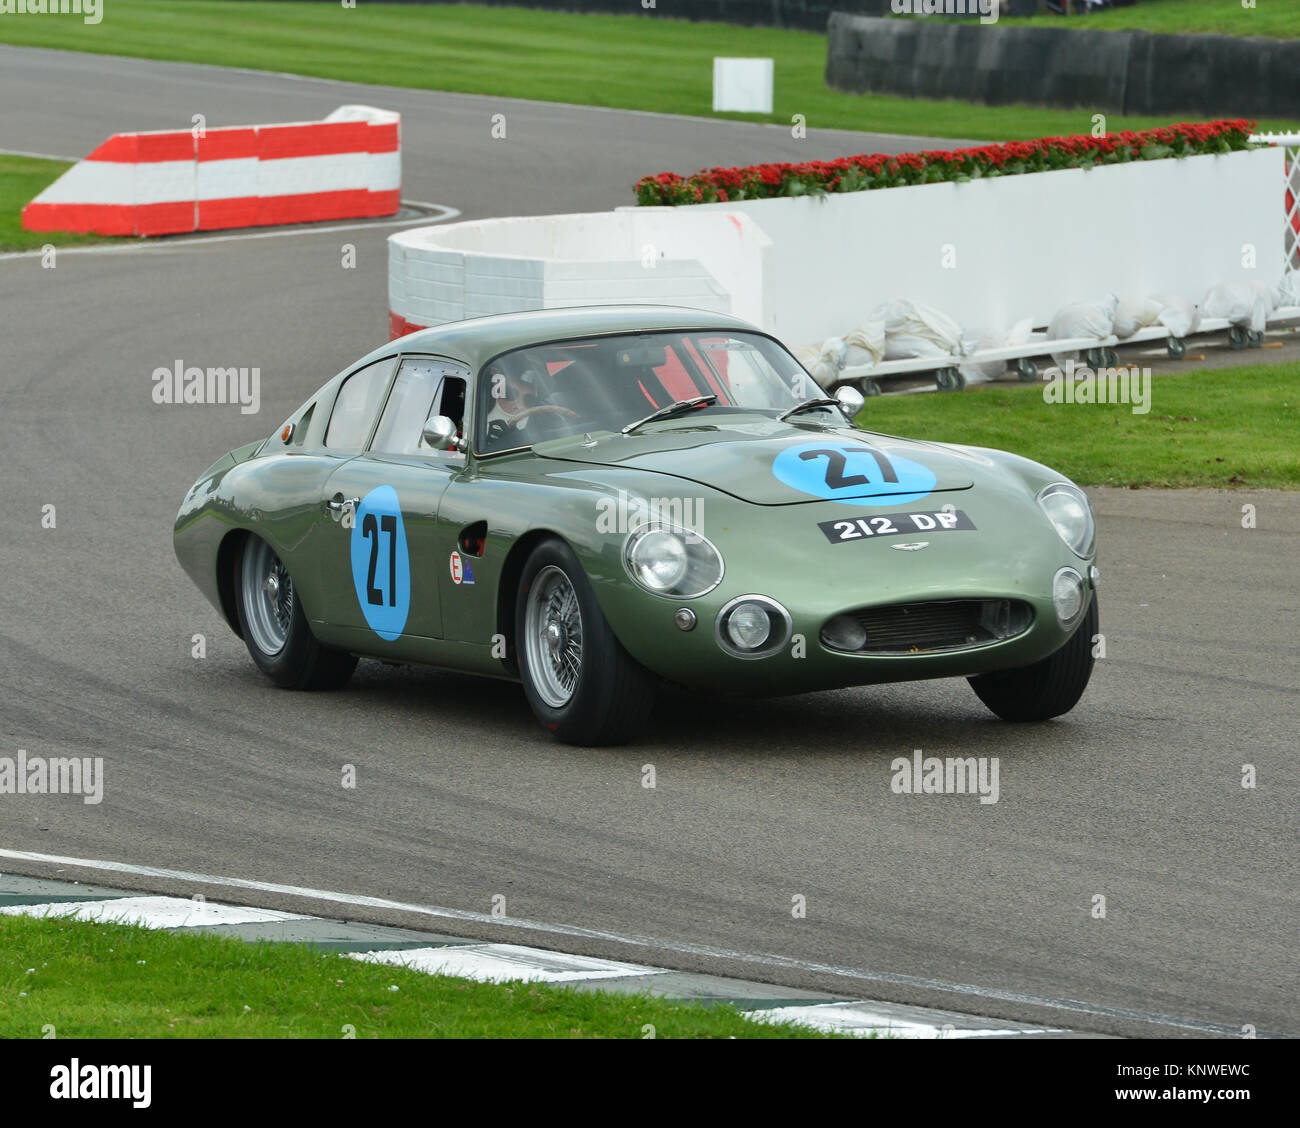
{"x": 479, "y": 339}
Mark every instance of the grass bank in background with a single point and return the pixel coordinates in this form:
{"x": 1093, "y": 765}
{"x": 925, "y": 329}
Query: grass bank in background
{"x": 1222, "y": 428}
{"x": 642, "y": 61}
{"x": 120, "y": 981}
{"x": 21, "y": 179}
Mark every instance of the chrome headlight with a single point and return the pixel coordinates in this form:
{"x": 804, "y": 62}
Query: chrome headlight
{"x": 1067, "y": 508}
{"x": 668, "y": 560}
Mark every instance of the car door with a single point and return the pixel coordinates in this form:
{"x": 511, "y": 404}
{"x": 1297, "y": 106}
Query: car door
{"x": 379, "y": 518}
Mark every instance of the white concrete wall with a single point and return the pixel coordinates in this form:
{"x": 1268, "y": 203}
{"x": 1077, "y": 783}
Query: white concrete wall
{"x": 708, "y": 260}
{"x": 1024, "y": 245}
{"x": 808, "y": 268}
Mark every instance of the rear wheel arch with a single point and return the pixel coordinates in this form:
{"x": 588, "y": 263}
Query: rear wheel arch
{"x": 227, "y": 554}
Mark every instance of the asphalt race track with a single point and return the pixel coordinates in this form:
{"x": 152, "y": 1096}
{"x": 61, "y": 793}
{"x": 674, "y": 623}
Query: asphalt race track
{"x": 933, "y": 900}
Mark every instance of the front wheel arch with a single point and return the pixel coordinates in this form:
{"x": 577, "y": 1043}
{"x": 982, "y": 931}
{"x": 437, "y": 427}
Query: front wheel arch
{"x": 508, "y": 587}
{"x": 611, "y": 695}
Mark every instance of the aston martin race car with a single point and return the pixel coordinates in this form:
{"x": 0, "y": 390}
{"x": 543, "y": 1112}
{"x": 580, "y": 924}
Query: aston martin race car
{"x": 595, "y": 502}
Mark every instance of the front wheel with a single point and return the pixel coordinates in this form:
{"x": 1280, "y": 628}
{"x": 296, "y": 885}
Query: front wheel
{"x": 1047, "y": 688}
{"x": 582, "y": 685}
{"x": 275, "y": 630}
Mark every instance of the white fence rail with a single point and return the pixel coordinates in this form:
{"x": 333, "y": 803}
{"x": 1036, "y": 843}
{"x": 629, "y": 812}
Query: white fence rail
{"x": 1289, "y": 143}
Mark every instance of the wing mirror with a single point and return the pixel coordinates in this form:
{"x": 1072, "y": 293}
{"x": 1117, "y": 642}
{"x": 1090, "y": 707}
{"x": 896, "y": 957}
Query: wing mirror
{"x": 440, "y": 433}
{"x": 851, "y": 400}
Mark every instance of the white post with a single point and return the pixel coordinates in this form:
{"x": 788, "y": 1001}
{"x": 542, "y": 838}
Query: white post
{"x": 742, "y": 86}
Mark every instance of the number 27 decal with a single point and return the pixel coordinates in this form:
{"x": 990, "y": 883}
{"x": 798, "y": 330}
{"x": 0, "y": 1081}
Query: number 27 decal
{"x": 381, "y": 563}
{"x": 370, "y": 529}
{"x": 836, "y": 479}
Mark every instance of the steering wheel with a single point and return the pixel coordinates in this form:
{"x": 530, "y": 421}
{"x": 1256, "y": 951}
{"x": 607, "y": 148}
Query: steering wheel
{"x": 554, "y": 408}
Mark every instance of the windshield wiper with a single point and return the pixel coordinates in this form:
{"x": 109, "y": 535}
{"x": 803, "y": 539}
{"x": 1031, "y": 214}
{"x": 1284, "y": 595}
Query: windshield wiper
{"x": 808, "y": 405}
{"x": 674, "y": 408}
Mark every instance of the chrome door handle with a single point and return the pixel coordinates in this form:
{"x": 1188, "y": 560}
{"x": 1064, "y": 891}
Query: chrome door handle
{"x": 339, "y": 505}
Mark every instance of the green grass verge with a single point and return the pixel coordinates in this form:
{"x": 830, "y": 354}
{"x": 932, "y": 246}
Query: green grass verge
{"x": 21, "y": 179}
{"x": 641, "y": 62}
{"x": 1223, "y": 428}
{"x": 1278, "y": 19}
{"x": 120, "y": 981}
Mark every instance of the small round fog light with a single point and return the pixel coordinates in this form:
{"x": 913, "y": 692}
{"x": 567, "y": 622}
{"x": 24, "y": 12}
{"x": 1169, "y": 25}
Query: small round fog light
{"x": 685, "y": 619}
{"x": 748, "y": 626}
{"x": 844, "y": 633}
{"x": 1067, "y": 596}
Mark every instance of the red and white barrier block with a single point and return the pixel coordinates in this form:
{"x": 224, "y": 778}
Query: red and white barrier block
{"x": 164, "y": 183}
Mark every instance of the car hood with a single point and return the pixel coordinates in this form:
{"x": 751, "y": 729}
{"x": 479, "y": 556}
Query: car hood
{"x": 773, "y": 463}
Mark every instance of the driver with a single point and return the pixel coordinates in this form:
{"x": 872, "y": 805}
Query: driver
{"x": 511, "y": 395}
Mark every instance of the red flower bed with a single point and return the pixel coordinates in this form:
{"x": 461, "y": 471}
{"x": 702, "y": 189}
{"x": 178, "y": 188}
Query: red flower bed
{"x": 857, "y": 174}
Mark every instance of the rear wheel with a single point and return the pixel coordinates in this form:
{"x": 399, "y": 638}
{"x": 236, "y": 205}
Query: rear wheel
{"x": 1047, "y": 688}
{"x": 275, "y": 630}
{"x": 582, "y": 685}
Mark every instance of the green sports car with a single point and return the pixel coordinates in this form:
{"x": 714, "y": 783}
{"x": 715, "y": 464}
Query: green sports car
{"x": 599, "y": 501}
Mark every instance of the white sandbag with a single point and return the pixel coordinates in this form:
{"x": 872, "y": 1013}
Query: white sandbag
{"x": 908, "y": 346}
{"x": 1133, "y": 314}
{"x": 1094, "y": 319}
{"x": 824, "y": 360}
{"x": 982, "y": 371}
{"x": 866, "y": 344}
{"x": 1177, "y": 314}
{"x": 916, "y": 330}
{"x": 1243, "y": 304}
{"x": 1288, "y": 292}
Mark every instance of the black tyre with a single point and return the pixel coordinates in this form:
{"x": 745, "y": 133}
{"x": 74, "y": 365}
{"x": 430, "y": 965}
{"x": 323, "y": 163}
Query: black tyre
{"x": 1047, "y": 688}
{"x": 275, "y": 630}
{"x": 582, "y": 685}
{"x": 1176, "y": 348}
{"x": 1026, "y": 371}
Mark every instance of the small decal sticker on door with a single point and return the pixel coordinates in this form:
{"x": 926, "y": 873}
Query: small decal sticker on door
{"x": 461, "y": 572}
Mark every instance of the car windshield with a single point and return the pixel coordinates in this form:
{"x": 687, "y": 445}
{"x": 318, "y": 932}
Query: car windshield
{"x": 594, "y": 384}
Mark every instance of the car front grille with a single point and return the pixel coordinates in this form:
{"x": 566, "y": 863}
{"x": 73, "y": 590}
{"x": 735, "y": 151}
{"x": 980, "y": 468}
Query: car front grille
{"x": 925, "y": 628}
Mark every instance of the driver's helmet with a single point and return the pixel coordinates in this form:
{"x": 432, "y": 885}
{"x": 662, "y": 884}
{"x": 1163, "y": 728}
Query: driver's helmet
{"x": 513, "y": 394}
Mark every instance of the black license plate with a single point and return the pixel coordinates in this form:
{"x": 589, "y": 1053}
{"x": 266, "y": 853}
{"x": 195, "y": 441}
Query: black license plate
{"x": 895, "y": 525}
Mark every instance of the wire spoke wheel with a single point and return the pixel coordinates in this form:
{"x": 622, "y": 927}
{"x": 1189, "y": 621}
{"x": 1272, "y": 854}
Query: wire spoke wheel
{"x": 268, "y": 597}
{"x": 553, "y": 636}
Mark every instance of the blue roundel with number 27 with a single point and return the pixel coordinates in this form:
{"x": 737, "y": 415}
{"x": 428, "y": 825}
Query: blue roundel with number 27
{"x": 853, "y": 473}
{"x": 381, "y": 567}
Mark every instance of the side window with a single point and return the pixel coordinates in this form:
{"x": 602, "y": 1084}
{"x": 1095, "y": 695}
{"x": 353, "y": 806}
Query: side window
{"x": 423, "y": 388}
{"x": 356, "y": 405}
